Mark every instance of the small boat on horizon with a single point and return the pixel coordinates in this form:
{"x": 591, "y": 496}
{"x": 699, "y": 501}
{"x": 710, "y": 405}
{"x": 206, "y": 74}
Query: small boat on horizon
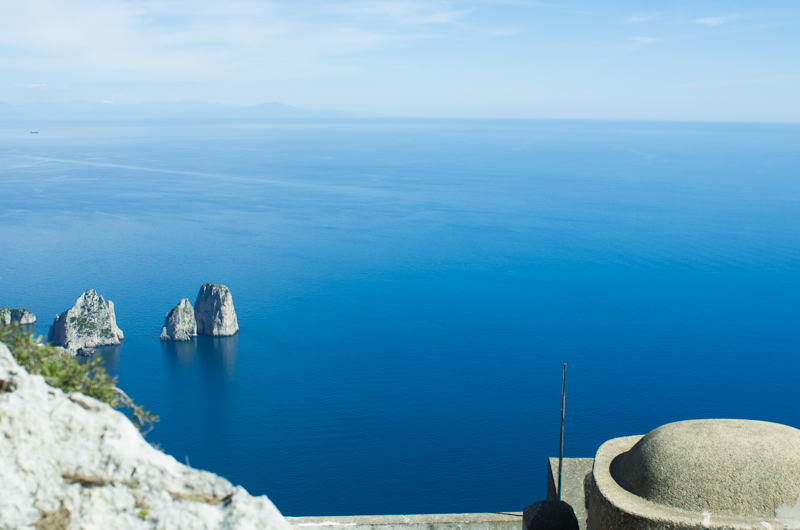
{"x": 34, "y": 132}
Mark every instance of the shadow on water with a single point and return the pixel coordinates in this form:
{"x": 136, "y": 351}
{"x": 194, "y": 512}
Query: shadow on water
{"x": 214, "y": 356}
{"x": 199, "y": 379}
{"x": 109, "y": 358}
{"x": 180, "y": 353}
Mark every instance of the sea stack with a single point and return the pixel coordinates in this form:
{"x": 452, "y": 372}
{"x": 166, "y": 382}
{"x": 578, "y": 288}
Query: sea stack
{"x": 214, "y": 311}
{"x": 18, "y": 316}
{"x": 180, "y": 323}
{"x": 90, "y": 322}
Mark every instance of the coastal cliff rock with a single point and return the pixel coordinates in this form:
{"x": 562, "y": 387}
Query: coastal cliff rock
{"x": 214, "y": 311}
{"x": 20, "y": 316}
{"x": 90, "y": 322}
{"x": 70, "y": 461}
{"x": 179, "y": 324}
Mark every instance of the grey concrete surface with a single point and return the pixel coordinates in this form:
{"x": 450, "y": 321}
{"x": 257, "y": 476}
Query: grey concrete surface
{"x": 573, "y": 490}
{"x": 437, "y": 521}
{"x": 614, "y": 507}
{"x": 732, "y": 467}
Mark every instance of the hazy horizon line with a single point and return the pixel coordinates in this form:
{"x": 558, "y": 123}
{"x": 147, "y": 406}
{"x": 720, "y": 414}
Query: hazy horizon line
{"x": 309, "y": 112}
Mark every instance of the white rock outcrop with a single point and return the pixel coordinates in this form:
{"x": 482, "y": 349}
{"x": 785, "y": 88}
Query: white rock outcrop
{"x": 19, "y": 316}
{"x": 214, "y": 311}
{"x": 180, "y": 324}
{"x": 70, "y": 461}
{"x": 90, "y": 322}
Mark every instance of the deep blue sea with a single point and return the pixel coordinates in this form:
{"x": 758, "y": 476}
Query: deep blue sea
{"x": 407, "y": 290}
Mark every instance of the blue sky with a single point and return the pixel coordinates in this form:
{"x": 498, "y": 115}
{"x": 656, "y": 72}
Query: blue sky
{"x": 700, "y": 60}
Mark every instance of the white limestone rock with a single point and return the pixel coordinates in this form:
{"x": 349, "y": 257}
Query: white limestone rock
{"x": 179, "y": 324}
{"x": 70, "y": 461}
{"x": 90, "y": 322}
{"x": 20, "y": 316}
{"x": 214, "y": 311}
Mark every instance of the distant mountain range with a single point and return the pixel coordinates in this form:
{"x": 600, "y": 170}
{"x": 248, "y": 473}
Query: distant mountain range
{"x": 155, "y": 110}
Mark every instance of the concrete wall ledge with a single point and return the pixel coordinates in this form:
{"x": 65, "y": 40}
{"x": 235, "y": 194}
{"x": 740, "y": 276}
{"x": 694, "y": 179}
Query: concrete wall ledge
{"x": 435, "y": 521}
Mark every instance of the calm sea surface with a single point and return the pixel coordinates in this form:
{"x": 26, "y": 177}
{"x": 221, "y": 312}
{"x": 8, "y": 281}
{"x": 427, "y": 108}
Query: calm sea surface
{"x": 407, "y": 291}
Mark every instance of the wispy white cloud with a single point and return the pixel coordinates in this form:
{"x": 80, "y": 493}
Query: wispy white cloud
{"x": 636, "y": 19}
{"x": 528, "y": 3}
{"x": 399, "y": 12}
{"x": 204, "y": 39}
{"x": 179, "y": 37}
{"x": 716, "y": 21}
{"x": 503, "y": 32}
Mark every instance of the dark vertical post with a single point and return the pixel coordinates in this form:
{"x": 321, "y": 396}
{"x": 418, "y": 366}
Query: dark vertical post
{"x": 561, "y": 441}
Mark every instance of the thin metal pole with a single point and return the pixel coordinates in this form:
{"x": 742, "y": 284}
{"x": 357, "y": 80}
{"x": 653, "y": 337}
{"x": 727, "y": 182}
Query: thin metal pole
{"x": 561, "y": 441}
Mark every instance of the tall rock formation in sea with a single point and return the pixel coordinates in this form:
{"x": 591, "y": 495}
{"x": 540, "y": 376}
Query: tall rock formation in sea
{"x": 214, "y": 311}
{"x": 180, "y": 324}
{"x": 90, "y": 322}
{"x": 19, "y": 316}
{"x": 70, "y": 461}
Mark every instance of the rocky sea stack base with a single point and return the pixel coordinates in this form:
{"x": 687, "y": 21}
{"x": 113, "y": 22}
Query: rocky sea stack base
{"x": 70, "y": 461}
{"x": 18, "y": 316}
{"x": 179, "y": 324}
{"x": 90, "y": 322}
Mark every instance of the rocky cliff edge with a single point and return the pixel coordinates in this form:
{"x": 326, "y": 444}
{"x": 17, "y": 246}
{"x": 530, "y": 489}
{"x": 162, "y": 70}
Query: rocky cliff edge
{"x": 70, "y": 461}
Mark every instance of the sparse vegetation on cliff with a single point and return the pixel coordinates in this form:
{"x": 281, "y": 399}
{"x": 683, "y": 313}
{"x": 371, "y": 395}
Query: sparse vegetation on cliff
{"x": 63, "y": 371}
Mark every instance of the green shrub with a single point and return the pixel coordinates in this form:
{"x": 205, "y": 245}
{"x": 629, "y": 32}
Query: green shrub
{"x": 63, "y": 371}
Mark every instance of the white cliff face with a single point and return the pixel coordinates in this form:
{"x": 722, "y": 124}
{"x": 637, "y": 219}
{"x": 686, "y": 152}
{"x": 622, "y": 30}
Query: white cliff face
{"x": 180, "y": 323}
{"x": 90, "y": 322}
{"x": 20, "y": 316}
{"x": 214, "y": 311}
{"x": 70, "y": 461}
